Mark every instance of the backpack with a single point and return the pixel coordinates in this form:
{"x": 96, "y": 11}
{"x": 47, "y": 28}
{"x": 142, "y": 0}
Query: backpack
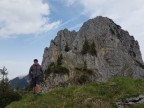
{"x": 39, "y": 70}
{"x": 39, "y": 67}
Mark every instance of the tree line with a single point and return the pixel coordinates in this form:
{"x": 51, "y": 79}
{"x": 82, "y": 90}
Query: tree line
{"x": 7, "y": 94}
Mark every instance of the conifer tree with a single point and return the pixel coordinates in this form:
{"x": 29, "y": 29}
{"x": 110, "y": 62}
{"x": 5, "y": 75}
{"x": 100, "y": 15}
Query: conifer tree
{"x": 4, "y": 74}
{"x": 86, "y": 47}
{"x": 59, "y": 60}
{"x": 7, "y": 95}
{"x": 93, "y": 51}
{"x": 67, "y": 48}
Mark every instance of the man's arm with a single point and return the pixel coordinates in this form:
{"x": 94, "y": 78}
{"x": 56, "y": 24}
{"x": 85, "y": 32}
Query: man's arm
{"x": 30, "y": 75}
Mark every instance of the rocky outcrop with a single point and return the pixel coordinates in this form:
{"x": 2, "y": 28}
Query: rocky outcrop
{"x": 57, "y": 47}
{"x": 130, "y": 101}
{"x": 99, "y": 51}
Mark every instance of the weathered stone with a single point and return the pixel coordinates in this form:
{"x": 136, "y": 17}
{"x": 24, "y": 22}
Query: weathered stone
{"x": 118, "y": 53}
{"x": 130, "y": 101}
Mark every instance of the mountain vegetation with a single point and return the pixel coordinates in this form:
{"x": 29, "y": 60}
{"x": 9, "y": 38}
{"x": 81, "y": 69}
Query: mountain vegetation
{"x": 7, "y": 94}
{"x": 89, "y": 95}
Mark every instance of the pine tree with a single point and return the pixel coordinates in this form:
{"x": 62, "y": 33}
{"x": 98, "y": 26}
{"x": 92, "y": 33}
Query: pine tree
{"x": 7, "y": 95}
{"x": 93, "y": 51}
{"x": 86, "y": 47}
{"x": 85, "y": 66}
{"x": 4, "y": 74}
{"x": 59, "y": 60}
{"x": 4, "y": 83}
{"x": 67, "y": 48}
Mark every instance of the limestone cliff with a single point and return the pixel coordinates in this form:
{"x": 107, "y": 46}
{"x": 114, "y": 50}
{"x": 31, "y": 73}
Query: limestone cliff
{"x": 99, "y": 51}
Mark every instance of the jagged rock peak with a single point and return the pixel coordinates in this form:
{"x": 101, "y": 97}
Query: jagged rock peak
{"x": 101, "y": 26}
{"x": 100, "y": 20}
{"x": 100, "y": 47}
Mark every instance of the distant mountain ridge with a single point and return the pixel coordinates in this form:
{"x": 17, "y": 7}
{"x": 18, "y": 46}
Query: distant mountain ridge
{"x": 19, "y": 82}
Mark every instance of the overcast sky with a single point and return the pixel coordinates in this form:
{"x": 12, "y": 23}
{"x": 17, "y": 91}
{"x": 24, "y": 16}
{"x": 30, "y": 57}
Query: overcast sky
{"x": 27, "y": 26}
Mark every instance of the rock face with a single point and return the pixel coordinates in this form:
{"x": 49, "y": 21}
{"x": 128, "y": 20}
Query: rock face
{"x": 99, "y": 51}
{"x": 130, "y": 101}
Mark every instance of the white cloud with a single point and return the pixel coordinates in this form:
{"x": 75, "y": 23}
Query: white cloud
{"x": 127, "y": 13}
{"x": 24, "y": 17}
{"x": 114, "y": 8}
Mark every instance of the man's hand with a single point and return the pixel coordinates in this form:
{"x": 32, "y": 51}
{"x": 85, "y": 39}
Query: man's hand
{"x": 29, "y": 81}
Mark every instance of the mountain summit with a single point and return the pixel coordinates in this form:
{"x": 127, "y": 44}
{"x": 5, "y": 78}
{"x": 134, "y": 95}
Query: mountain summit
{"x": 99, "y": 51}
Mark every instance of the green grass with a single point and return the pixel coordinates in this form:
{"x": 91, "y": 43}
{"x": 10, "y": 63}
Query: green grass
{"x": 91, "y": 95}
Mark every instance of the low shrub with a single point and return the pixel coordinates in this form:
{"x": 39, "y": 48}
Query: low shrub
{"x": 8, "y": 97}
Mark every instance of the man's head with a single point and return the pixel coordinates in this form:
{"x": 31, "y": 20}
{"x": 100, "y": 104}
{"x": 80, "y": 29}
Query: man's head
{"x": 35, "y": 61}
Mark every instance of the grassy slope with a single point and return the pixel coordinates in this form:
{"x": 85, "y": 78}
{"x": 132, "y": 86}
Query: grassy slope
{"x": 92, "y": 95}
